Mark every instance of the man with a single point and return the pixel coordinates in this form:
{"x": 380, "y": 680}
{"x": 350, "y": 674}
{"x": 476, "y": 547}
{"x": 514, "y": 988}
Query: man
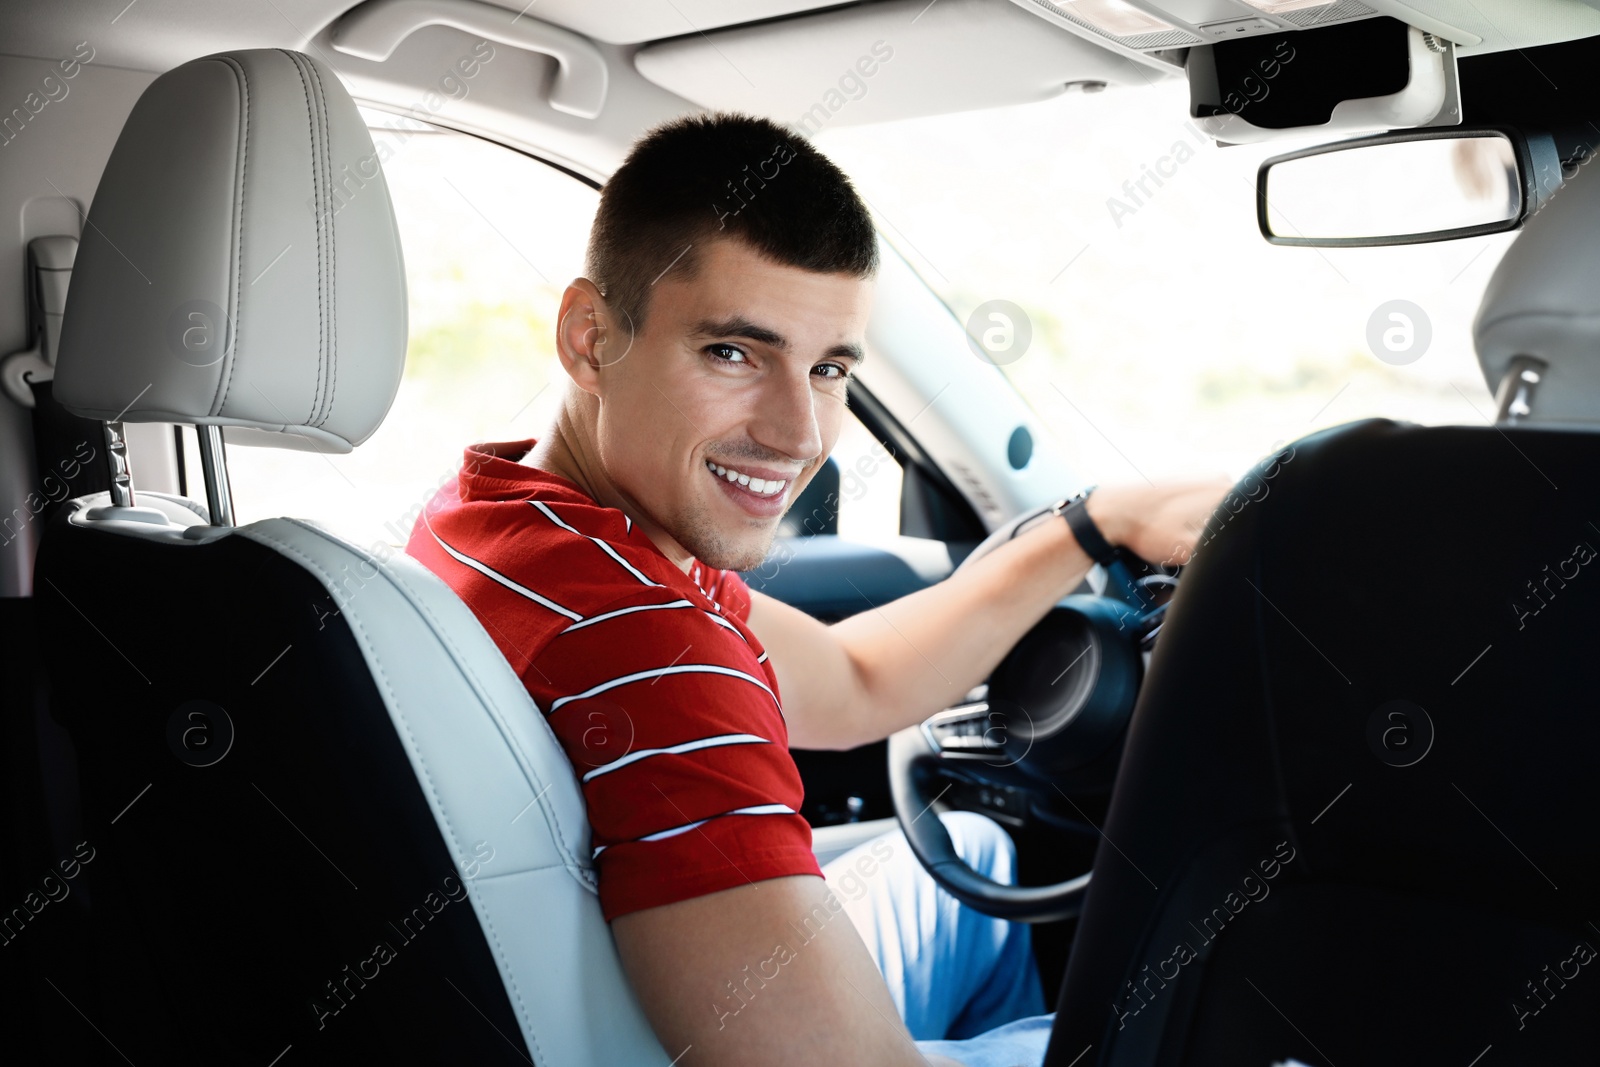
{"x": 709, "y": 350}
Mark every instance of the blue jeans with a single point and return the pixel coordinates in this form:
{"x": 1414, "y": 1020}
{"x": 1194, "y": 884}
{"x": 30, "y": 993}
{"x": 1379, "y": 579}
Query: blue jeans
{"x": 965, "y": 984}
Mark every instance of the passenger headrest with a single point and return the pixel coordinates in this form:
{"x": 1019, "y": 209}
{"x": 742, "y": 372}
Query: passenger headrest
{"x": 240, "y": 265}
{"x": 1543, "y": 302}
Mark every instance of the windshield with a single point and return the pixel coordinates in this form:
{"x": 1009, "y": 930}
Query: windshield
{"x": 1107, "y": 254}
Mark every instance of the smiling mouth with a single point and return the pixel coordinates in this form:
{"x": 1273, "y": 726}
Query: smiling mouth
{"x": 758, "y": 486}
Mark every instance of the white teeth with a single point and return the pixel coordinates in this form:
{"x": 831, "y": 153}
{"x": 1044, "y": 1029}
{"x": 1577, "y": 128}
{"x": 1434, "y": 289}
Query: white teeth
{"x": 762, "y": 486}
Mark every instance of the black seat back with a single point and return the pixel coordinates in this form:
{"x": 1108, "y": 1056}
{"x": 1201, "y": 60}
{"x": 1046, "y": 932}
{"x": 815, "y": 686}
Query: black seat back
{"x": 263, "y": 870}
{"x": 1354, "y": 819}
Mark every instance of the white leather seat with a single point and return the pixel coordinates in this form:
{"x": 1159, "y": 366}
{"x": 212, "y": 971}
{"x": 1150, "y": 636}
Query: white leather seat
{"x": 389, "y": 748}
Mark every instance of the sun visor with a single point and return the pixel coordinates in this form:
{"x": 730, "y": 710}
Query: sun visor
{"x": 879, "y": 62}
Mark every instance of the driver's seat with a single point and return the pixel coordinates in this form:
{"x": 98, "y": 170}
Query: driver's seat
{"x": 1355, "y": 822}
{"x": 323, "y": 820}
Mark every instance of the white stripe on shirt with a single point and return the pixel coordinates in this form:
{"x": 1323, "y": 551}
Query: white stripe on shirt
{"x": 603, "y": 616}
{"x": 658, "y": 672}
{"x": 677, "y": 750}
{"x": 489, "y": 572}
{"x": 720, "y": 621}
{"x": 662, "y": 835}
{"x": 607, "y": 549}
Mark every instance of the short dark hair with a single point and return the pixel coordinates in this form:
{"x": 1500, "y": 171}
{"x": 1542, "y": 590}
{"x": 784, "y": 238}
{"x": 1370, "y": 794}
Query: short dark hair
{"x": 709, "y": 177}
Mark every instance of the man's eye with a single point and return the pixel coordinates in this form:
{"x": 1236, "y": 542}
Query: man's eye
{"x": 831, "y": 371}
{"x": 724, "y": 353}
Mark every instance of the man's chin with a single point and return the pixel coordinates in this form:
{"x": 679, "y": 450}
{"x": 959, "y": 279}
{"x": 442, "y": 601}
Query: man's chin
{"x": 734, "y": 559}
{"x": 715, "y": 550}
{"x": 717, "y": 542}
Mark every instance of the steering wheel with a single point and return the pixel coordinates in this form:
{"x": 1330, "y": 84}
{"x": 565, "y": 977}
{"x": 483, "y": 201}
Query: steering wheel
{"x": 1055, "y": 709}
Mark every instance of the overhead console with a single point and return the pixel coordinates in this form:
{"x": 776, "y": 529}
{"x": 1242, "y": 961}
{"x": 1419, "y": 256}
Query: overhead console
{"x": 1163, "y": 25}
{"x": 1372, "y": 74}
{"x": 1260, "y": 70}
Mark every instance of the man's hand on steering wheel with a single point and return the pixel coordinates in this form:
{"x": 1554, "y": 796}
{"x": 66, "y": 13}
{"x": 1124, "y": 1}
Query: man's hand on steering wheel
{"x": 1055, "y": 707}
{"x": 1159, "y": 523}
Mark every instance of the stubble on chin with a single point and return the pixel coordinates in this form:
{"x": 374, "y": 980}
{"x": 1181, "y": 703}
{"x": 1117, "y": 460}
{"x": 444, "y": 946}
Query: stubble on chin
{"x": 709, "y": 542}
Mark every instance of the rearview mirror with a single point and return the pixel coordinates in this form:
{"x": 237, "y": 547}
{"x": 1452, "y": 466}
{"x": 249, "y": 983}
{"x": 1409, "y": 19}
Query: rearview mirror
{"x": 1404, "y": 188}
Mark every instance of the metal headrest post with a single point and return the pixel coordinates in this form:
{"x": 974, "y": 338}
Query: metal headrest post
{"x": 1514, "y": 398}
{"x": 117, "y": 464}
{"x": 214, "y": 465}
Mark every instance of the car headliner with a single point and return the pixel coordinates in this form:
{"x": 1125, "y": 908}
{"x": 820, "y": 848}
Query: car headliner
{"x": 952, "y": 54}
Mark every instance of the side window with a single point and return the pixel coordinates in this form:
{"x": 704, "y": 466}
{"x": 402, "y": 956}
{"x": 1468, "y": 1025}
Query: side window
{"x": 866, "y": 503}
{"x": 491, "y": 238}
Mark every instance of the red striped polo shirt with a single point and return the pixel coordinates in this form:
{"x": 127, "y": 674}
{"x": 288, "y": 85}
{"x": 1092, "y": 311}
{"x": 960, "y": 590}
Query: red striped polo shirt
{"x": 650, "y": 678}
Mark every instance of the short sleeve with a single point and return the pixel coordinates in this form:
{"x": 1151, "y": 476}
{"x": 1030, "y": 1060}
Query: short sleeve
{"x": 676, "y": 733}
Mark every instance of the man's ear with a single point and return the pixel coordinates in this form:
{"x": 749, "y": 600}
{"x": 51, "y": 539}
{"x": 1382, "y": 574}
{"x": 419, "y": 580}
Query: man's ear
{"x": 588, "y": 335}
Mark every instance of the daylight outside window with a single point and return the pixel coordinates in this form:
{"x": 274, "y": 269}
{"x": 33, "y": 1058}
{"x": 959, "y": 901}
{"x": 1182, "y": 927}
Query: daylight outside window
{"x": 1167, "y": 337}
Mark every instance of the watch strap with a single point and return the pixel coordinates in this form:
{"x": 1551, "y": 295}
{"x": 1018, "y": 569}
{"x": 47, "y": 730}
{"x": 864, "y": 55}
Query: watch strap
{"x": 1083, "y": 527}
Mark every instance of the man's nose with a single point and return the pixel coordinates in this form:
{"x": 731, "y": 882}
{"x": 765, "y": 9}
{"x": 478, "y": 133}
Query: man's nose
{"x": 786, "y": 418}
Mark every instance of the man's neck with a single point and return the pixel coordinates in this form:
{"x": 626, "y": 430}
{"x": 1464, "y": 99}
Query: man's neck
{"x": 568, "y": 451}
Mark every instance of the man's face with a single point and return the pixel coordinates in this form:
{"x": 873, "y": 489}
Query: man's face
{"x": 729, "y": 399}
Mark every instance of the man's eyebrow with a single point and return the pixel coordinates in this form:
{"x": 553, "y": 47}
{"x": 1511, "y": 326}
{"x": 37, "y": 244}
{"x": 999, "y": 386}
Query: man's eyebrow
{"x": 739, "y": 326}
{"x": 853, "y": 352}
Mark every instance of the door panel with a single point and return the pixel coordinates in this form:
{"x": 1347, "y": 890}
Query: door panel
{"x": 830, "y": 577}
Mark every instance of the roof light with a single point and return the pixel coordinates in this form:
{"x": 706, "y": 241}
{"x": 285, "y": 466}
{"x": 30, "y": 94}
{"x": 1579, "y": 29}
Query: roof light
{"x": 1279, "y": 7}
{"x": 1115, "y": 17}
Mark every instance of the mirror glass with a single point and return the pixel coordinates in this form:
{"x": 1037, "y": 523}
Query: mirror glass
{"x": 1393, "y": 192}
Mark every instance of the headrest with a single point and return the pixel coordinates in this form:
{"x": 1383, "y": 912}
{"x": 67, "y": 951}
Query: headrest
{"x": 240, "y": 266}
{"x": 1544, "y": 302}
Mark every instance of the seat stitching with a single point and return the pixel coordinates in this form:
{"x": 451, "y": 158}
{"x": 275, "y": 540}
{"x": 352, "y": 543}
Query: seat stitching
{"x": 322, "y": 172}
{"x": 528, "y": 1029}
{"x": 226, "y": 383}
{"x": 522, "y": 871}
{"x": 316, "y": 196}
{"x": 181, "y": 501}
{"x": 333, "y": 252}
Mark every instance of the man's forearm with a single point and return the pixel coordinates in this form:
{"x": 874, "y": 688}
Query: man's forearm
{"x": 889, "y": 667}
{"x": 925, "y": 651}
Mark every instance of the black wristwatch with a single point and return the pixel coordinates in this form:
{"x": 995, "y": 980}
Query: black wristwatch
{"x": 1090, "y": 539}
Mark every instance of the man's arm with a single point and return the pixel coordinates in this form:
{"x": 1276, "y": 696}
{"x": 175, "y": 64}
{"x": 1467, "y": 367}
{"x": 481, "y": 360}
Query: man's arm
{"x": 889, "y": 667}
{"x": 772, "y": 973}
